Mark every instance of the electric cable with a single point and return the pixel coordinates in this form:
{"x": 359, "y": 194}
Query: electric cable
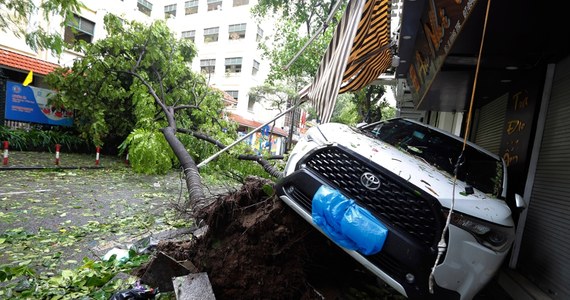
{"x": 442, "y": 245}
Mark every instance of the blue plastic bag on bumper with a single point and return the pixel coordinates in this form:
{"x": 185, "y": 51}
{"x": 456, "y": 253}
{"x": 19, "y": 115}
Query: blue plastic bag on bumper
{"x": 347, "y": 223}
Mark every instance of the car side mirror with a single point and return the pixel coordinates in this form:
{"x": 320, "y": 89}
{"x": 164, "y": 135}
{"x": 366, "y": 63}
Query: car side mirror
{"x": 520, "y": 201}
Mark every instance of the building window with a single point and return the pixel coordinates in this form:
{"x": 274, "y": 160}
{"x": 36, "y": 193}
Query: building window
{"x": 233, "y": 65}
{"x": 211, "y": 34}
{"x": 190, "y": 34}
{"x": 259, "y": 34}
{"x": 170, "y": 11}
{"x": 144, "y": 6}
{"x": 240, "y": 2}
{"x": 255, "y": 67}
{"x": 191, "y": 7}
{"x": 250, "y": 103}
{"x": 208, "y": 66}
{"x": 234, "y": 94}
{"x": 214, "y": 5}
{"x": 79, "y": 29}
{"x": 237, "y": 31}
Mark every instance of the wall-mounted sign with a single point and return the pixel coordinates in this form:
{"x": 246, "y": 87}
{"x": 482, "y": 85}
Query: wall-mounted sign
{"x": 441, "y": 23}
{"x": 29, "y": 104}
{"x": 517, "y": 132}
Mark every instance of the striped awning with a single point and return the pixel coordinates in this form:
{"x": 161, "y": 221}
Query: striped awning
{"x": 357, "y": 54}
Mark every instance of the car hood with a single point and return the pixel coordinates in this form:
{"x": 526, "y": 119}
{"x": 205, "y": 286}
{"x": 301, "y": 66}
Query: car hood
{"x": 433, "y": 181}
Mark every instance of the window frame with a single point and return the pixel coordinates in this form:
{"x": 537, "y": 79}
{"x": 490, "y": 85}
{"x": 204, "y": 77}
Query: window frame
{"x": 213, "y": 5}
{"x": 251, "y": 103}
{"x": 215, "y": 34}
{"x": 74, "y": 30}
{"x": 189, "y": 7}
{"x": 237, "y": 31}
{"x": 232, "y": 93}
{"x": 145, "y": 7}
{"x": 188, "y": 34}
{"x": 168, "y": 11}
{"x": 259, "y": 35}
{"x": 233, "y": 65}
{"x": 237, "y": 3}
{"x": 208, "y": 66}
{"x": 255, "y": 68}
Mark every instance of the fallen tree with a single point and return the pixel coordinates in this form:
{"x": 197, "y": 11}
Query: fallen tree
{"x": 136, "y": 83}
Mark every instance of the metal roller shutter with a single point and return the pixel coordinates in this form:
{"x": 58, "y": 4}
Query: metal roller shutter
{"x": 544, "y": 254}
{"x": 490, "y": 124}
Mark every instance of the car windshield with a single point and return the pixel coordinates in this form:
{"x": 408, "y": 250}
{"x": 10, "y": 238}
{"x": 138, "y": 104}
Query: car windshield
{"x": 477, "y": 168}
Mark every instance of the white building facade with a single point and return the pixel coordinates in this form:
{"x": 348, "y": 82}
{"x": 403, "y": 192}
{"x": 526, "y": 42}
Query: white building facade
{"x": 227, "y": 40}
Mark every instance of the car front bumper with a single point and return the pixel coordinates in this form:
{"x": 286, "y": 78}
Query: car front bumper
{"x": 404, "y": 263}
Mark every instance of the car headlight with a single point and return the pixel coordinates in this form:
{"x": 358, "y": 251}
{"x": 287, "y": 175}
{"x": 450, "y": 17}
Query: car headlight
{"x": 495, "y": 237}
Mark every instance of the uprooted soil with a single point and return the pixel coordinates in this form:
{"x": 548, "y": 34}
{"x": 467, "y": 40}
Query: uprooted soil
{"x": 256, "y": 247}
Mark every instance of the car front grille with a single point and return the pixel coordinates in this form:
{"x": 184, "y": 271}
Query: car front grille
{"x": 397, "y": 202}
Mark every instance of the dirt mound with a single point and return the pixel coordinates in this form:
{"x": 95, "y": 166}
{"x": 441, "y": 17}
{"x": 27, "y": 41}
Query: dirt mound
{"x": 258, "y": 248}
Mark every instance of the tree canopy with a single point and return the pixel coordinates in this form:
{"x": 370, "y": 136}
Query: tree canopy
{"x": 113, "y": 86}
{"x": 301, "y": 20}
{"x": 137, "y": 82}
{"x": 19, "y": 16}
{"x": 297, "y": 22}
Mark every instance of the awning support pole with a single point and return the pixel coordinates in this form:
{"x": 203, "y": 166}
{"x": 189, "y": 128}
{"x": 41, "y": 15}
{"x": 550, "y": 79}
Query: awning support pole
{"x": 209, "y": 159}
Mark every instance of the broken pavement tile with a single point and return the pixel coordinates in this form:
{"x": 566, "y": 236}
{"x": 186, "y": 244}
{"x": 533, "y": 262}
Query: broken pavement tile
{"x": 161, "y": 270}
{"x": 195, "y": 286}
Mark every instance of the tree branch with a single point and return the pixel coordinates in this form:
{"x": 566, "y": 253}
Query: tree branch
{"x": 175, "y": 108}
{"x": 202, "y": 136}
{"x": 269, "y": 168}
{"x": 262, "y": 161}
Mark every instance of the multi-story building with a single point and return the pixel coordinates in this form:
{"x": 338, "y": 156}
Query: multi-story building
{"x": 226, "y": 37}
{"x": 225, "y": 34}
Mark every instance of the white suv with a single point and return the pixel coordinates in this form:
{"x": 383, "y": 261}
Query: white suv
{"x": 383, "y": 192}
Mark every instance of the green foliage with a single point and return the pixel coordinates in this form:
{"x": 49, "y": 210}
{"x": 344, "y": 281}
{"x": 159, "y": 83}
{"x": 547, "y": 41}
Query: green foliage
{"x": 41, "y": 140}
{"x": 226, "y": 166}
{"x": 106, "y": 87}
{"x": 363, "y": 106}
{"x": 36, "y": 264}
{"x": 301, "y": 19}
{"x": 9, "y": 272}
{"x": 285, "y": 45}
{"x": 91, "y": 280}
{"x": 369, "y": 103}
{"x": 17, "y": 13}
{"x": 128, "y": 81}
{"x": 388, "y": 112}
{"x": 149, "y": 152}
{"x": 310, "y": 14}
{"x": 268, "y": 190}
{"x": 232, "y": 169}
{"x": 298, "y": 21}
{"x": 345, "y": 110}
{"x": 273, "y": 96}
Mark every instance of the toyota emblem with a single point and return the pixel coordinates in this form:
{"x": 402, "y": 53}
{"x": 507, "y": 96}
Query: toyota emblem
{"x": 370, "y": 181}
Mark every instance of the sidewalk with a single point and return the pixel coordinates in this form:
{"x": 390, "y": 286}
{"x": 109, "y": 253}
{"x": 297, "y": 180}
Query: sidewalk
{"x": 50, "y": 219}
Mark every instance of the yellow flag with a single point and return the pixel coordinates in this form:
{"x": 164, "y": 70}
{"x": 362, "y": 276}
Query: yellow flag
{"x": 29, "y": 78}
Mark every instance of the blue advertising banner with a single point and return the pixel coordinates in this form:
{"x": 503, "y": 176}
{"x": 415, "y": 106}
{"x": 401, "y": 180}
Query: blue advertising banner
{"x": 29, "y": 104}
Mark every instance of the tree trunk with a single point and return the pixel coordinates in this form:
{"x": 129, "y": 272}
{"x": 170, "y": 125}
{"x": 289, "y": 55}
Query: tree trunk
{"x": 193, "y": 180}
